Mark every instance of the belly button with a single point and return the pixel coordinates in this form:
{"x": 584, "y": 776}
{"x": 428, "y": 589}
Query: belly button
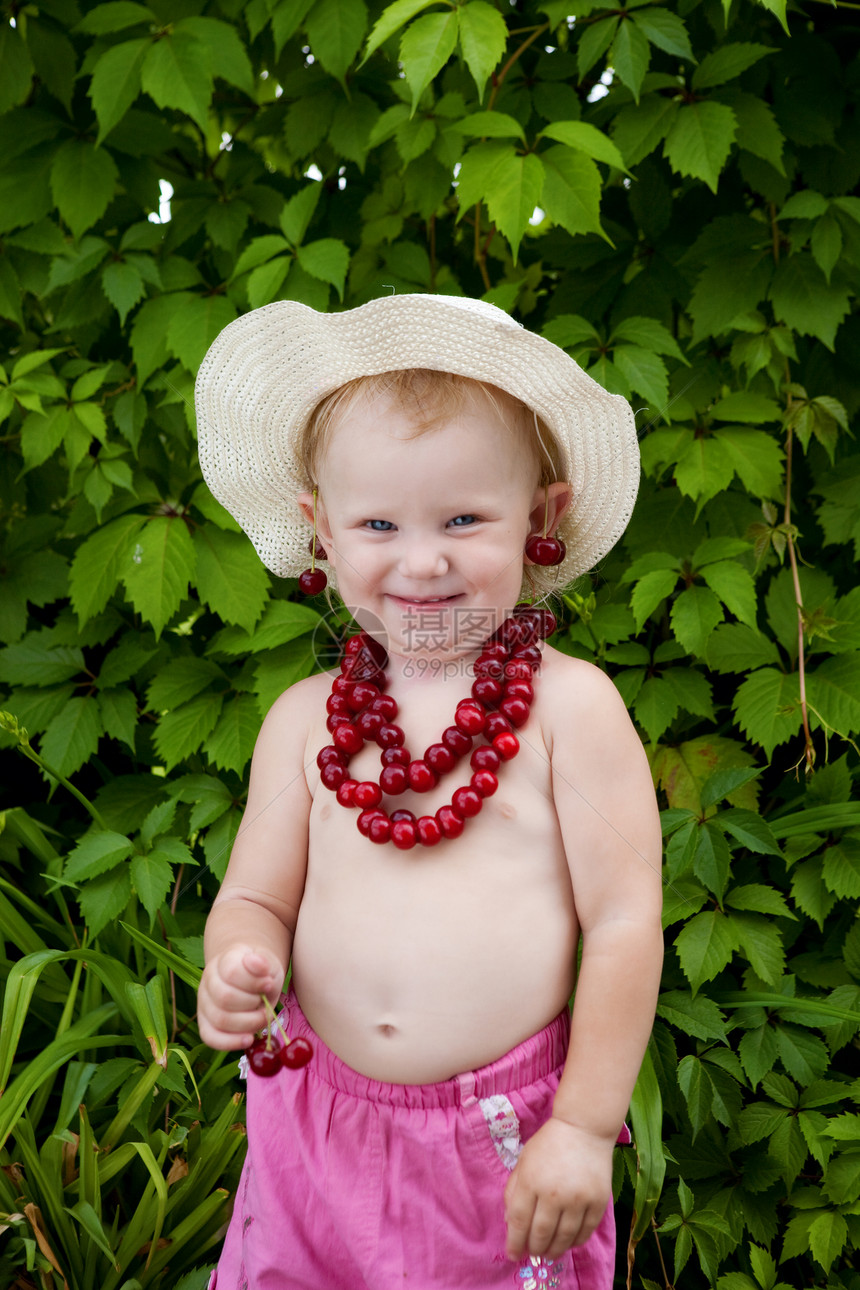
{"x": 386, "y": 1030}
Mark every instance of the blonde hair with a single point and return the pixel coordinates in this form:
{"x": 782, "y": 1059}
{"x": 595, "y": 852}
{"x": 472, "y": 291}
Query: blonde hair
{"x": 431, "y": 398}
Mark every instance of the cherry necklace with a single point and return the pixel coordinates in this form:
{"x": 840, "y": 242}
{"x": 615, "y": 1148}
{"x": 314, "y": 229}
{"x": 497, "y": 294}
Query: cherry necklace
{"x": 359, "y": 710}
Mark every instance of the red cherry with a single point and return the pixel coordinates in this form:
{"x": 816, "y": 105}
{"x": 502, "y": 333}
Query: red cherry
{"x": 516, "y": 711}
{"x": 404, "y": 834}
{"x": 312, "y": 582}
{"x": 520, "y": 690}
{"x": 440, "y": 758}
{"x": 470, "y": 719}
{"x": 467, "y": 801}
{"x": 332, "y": 775}
{"x": 380, "y": 828}
{"x": 518, "y": 670}
{"x": 340, "y": 685}
{"x": 390, "y": 736}
{"x": 297, "y": 1053}
{"x": 429, "y": 830}
{"x": 367, "y": 794}
{"x": 494, "y": 649}
{"x": 402, "y": 814}
{"x": 487, "y": 691}
{"x": 348, "y": 738}
{"x": 548, "y": 623}
{"x": 484, "y": 782}
{"x": 489, "y": 667}
{"x": 385, "y": 706}
{"x": 370, "y": 723}
{"x": 394, "y": 780}
{"x": 497, "y": 724}
{"x": 337, "y": 703}
{"x": 485, "y": 758}
{"x": 399, "y": 756}
{"x": 457, "y": 741}
{"x": 335, "y": 719}
{"x": 506, "y": 745}
{"x": 346, "y": 792}
{"x": 354, "y": 643}
{"x": 421, "y": 777}
{"x": 545, "y": 550}
{"x": 365, "y": 819}
{"x": 449, "y": 822}
{"x": 262, "y": 1060}
{"x": 529, "y": 654}
{"x": 327, "y": 754}
{"x": 362, "y": 696}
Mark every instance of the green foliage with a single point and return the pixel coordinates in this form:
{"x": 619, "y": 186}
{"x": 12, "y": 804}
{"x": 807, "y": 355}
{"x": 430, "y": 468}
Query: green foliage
{"x": 667, "y": 191}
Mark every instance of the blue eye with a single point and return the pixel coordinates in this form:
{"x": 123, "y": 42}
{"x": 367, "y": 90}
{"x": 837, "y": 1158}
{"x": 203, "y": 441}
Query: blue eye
{"x": 461, "y": 521}
{"x": 380, "y": 526}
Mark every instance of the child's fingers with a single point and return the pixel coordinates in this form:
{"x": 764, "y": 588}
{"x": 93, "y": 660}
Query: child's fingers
{"x": 519, "y": 1209}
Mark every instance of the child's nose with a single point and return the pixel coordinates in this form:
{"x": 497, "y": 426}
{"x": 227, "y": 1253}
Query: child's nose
{"x": 422, "y": 559}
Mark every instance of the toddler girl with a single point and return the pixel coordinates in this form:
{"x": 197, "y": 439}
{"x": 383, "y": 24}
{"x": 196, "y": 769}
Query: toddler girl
{"x": 454, "y": 1128}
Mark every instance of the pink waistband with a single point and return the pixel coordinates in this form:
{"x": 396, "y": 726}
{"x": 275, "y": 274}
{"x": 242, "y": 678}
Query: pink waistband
{"x": 532, "y": 1060}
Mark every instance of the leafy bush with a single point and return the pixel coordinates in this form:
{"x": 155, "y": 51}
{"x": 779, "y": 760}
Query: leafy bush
{"x": 667, "y": 192}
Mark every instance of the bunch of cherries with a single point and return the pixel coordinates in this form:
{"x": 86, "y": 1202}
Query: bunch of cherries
{"x": 359, "y": 710}
{"x": 266, "y": 1058}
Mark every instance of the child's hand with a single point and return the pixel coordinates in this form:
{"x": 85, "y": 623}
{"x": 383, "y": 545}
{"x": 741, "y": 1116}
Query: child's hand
{"x": 558, "y": 1192}
{"x": 229, "y": 1002}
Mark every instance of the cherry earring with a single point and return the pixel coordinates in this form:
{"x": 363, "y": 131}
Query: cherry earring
{"x": 544, "y": 550}
{"x": 314, "y": 580}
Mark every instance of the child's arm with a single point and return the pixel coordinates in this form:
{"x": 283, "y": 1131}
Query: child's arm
{"x": 605, "y": 801}
{"x": 249, "y": 931}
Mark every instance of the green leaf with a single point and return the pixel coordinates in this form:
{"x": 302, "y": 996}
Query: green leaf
{"x": 699, "y": 1017}
{"x": 326, "y": 259}
{"x": 72, "y": 737}
{"x": 95, "y": 854}
{"x": 751, "y": 830}
{"x": 116, "y": 15}
{"x": 282, "y": 621}
{"x": 103, "y": 899}
{"x": 833, "y": 690}
{"x": 265, "y": 282}
{"x": 294, "y": 220}
{"x": 571, "y": 190}
{"x": 232, "y": 742}
{"x": 230, "y": 577}
{"x": 841, "y": 868}
{"x": 123, "y": 286}
{"x": 757, "y": 1051}
{"x": 762, "y": 944}
{"x": 665, "y": 30}
{"x": 489, "y": 125}
{"x": 594, "y": 42}
{"x": 727, "y": 63}
{"x": 115, "y": 82}
{"x": 33, "y": 661}
{"x": 826, "y": 244}
{"x": 16, "y": 67}
{"x": 757, "y": 459}
{"x": 630, "y": 56}
{"x": 804, "y": 205}
{"x": 735, "y": 588}
{"x": 157, "y": 571}
{"x": 280, "y": 668}
{"x": 393, "y": 17}
{"x": 695, "y": 1083}
{"x": 425, "y": 48}
{"x": 176, "y": 73}
{"x": 745, "y": 406}
{"x": 804, "y": 300}
{"x": 182, "y": 731}
{"x": 335, "y": 31}
{"x": 517, "y": 186}
{"x": 828, "y": 1237}
{"x": 261, "y": 249}
{"x": 700, "y": 140}
{"x": 287, "y": 17}
{"x": 695, "y": 614}
{"x": 483, "y": 38}
{"x": 766, "y": 707}
{"x": 228, "y": 58}
{"x": 713, "y": 859}
{"x": 756, "y": 898}
{"x": 758, "y": 131}
{"x": 650, "y": 591}
{"x": 638, "y": 130}
{"x": 719, "y": 298}
{"x": 705, "y": 946}
{"x": 97, "y": 565}
{"x": 181, "y": 681}
{"x": 151, "y": 877}
{"x": 645, "y": 373}
{"x": 655, "y": 707}
{"x": 118, "y": 709}
{"x": 585, "y": 138}
{"x": 649, "y": 334}
{"x": 83, "y": 179}
{"x": 194, "y": 324}
{"x": 809, "y": 891}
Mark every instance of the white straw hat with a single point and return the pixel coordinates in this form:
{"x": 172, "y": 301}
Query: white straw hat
{"x": 265, "y": 373}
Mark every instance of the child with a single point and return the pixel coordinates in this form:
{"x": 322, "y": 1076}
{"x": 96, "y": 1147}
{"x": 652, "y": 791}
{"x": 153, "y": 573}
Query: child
{"x": 451, "y": 1131}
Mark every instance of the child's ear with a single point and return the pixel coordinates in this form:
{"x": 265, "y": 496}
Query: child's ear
{"x": 548, "y": 506}
{"x": 306, "y": 506}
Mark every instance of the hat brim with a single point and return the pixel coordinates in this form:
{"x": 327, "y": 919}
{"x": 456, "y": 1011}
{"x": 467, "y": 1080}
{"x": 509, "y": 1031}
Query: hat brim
{"x": 266, "y": 372}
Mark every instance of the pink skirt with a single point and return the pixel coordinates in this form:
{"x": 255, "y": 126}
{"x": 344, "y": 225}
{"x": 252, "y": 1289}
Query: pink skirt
{"x": 353, "y": 1184}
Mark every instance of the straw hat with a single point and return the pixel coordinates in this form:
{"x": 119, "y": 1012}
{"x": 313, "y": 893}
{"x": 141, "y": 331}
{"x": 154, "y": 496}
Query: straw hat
{"x": 266, "y": 372}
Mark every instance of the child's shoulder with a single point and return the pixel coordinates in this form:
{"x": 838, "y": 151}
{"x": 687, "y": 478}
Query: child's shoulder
{"x": 576, "y": 691}
{"x": 300, "y": 705}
